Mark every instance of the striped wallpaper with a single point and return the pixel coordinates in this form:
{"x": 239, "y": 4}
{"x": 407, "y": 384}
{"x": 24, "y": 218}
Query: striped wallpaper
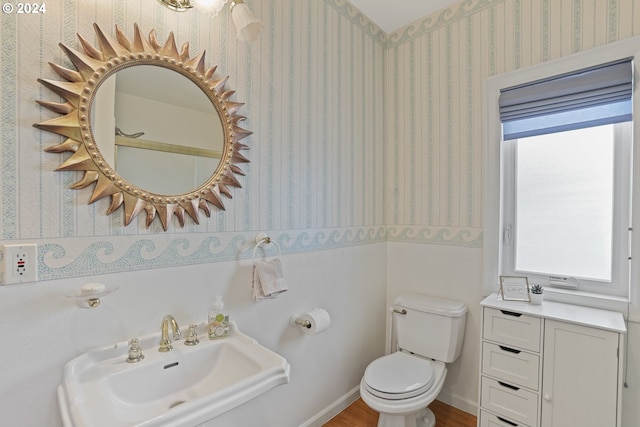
{"x": 313, "y": 88}
{"x": 359, "y": 136}
{"x": 436, "y": 72}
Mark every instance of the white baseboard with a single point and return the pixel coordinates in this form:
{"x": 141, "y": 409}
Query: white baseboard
{"x": 334, "y": 409}
{"x": 459, "y": 402}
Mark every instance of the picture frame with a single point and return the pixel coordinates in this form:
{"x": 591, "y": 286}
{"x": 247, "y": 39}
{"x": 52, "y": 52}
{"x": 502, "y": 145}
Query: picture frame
{"x": 514, "y": 288}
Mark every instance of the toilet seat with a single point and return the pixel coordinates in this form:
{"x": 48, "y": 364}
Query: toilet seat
{"x": 398, "y": 376}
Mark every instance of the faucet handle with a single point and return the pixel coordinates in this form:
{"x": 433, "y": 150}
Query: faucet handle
{"x": 192, "y": 336}
{"x": 135, "y": 352}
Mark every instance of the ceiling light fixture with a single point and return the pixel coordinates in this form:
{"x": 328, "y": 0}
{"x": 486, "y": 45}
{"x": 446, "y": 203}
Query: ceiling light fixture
{"x": 248, "y": 27}
{"x": 176, "y": 5}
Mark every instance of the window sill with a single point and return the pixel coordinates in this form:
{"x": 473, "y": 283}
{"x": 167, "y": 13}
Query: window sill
{"x": 587, "y": 299}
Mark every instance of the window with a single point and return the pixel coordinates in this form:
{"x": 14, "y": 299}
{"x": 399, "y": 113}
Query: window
{"x": 558, "y": 164}
{"x": 563, "y": 223}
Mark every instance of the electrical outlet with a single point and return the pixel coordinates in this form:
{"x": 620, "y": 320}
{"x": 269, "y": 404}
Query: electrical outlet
{"x": 20, "y": 264}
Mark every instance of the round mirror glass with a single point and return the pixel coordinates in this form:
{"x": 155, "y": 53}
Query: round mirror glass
{"x": 157, "y": 129}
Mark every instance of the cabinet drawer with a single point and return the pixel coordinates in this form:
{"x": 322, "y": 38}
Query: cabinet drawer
{"x": 511, "y": 365}
{"x": 490, "y": 420}
{"x": 514, "y": 403}
{"x": 512, "y": 329}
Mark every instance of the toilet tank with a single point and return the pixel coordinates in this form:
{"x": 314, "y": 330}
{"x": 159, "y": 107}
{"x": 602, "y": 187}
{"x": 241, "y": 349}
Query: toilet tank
{"x": 432, "y": 327}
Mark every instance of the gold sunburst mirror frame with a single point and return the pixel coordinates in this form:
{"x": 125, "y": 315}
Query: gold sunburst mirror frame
{"x": 79, "y": 88}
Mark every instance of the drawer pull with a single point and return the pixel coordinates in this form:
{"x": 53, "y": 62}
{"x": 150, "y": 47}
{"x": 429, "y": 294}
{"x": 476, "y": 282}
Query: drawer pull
{"x": 512, "y": 387}
{"x": 510, "y": 313}
{"x": 510, "y": 350}
{"x": 511, "y": 423}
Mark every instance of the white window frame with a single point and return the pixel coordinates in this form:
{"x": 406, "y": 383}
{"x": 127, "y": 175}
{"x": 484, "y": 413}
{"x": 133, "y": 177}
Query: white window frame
{"x": 621, "y": 221}
{"x": 493, "y": 162}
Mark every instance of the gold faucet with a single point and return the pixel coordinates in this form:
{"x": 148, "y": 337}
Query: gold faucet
{"x": 165, "y": 342}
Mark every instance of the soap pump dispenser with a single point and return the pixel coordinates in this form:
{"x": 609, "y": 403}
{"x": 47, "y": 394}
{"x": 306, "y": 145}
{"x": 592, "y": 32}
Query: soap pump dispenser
{"x": 218, "y": 320}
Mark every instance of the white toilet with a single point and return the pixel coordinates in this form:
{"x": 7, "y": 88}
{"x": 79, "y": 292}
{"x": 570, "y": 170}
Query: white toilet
{"x": 401, "y": 385}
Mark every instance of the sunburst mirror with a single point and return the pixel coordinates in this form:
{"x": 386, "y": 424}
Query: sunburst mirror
{"x": 95, "y": 154}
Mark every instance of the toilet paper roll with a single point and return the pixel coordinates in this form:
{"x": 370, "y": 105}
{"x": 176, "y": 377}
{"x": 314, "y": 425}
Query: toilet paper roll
{"x": 319, "y": 320}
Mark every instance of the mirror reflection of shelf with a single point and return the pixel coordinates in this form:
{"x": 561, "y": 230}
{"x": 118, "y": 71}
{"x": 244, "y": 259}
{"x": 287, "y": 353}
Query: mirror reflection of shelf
{"x": 144, "y": 144}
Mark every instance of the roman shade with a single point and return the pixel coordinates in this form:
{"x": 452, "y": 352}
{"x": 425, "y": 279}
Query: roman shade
{"x": 588, "y": 97}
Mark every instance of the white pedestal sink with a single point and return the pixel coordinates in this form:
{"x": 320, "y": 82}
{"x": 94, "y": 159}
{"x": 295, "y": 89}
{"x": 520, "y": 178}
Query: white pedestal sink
{"x": 184, "y": 387}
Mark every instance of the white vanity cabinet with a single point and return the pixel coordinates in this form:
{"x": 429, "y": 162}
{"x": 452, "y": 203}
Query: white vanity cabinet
{"x": 550, "y": 365}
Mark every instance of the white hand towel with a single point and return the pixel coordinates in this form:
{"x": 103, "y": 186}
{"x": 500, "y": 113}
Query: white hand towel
{"x": 268, "y": 279}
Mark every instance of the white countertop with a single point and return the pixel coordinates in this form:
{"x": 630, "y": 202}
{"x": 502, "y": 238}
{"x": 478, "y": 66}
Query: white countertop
{"x": 586, "y": 316}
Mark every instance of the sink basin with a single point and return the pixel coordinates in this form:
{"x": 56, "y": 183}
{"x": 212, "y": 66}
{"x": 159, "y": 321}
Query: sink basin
{"x": 184, "y": 387}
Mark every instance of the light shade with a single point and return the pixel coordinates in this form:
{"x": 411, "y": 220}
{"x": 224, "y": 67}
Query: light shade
{"x": 210, "y": 6}
{"x": 247, "y": 26}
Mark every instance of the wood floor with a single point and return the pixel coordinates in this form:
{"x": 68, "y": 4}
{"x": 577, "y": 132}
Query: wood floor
{"x": 359, "y": 414}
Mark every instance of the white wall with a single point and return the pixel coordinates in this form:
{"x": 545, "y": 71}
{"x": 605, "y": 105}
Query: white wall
{"x": 42, "y": 329}
{"x": 444, "y": 272}
{"x": 631, "y": 392}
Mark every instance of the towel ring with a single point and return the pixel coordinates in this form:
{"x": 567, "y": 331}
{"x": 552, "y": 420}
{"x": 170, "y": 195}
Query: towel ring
{"x": 263, "y": 239}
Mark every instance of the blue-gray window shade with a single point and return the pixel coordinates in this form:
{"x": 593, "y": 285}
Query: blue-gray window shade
{"x": 592, "y": 96}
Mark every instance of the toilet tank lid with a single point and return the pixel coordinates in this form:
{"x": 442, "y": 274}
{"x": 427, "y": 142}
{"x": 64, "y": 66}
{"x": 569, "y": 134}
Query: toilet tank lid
{"x": 427, "y": 304}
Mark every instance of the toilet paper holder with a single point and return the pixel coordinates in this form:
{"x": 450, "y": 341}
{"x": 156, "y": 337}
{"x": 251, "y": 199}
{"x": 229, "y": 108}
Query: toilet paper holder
{"x": 312, "y": 322}
{"x": 296, "y": 320}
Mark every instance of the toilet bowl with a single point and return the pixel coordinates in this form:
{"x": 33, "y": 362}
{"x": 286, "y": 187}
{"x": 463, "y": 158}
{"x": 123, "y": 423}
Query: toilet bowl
{"x": 401, "y": 398}
{"x": 401, "y": 385}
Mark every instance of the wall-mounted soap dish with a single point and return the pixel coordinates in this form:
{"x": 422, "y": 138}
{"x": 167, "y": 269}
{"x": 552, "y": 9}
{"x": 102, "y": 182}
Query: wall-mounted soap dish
{"x": 89, "y": 295}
